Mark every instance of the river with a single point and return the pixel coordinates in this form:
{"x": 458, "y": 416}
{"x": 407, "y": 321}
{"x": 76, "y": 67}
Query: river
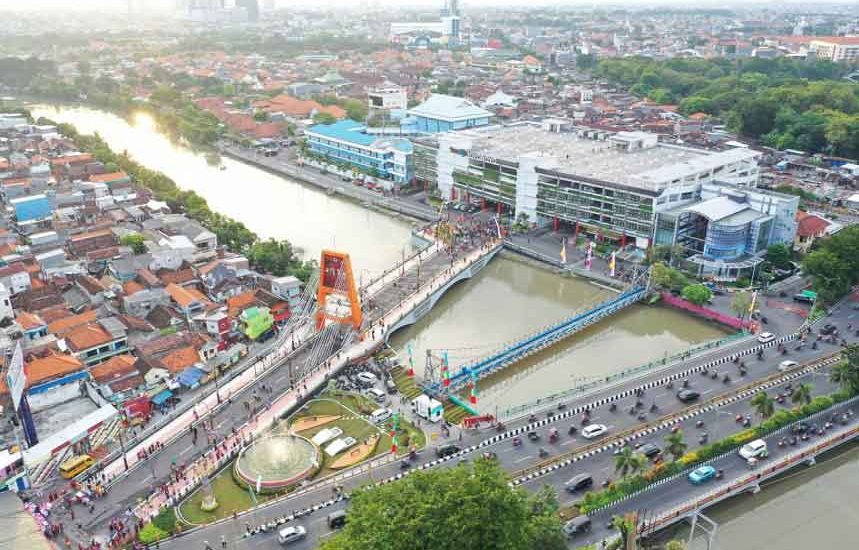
{"x": 508, "y": 299}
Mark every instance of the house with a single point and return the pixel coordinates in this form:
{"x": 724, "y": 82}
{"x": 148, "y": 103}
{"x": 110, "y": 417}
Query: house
{"x": 33, "y": 327}
{"x": 171, "y": 252}
{"x": 164, "y": 317}
{"x": 80, "y": 245}
{"x": 287, "y": 288}
{"x": 219, "y": 326}
{"x": 67, "y": 323}
{"x": 143, "y": 301}
{"x": 15, "y": 278}
{"x": 117, "y": 378}
{"x": 53, "y": 378}
{"x": 180, "y": 359}
{"x": 6, "y": 311}
{"x": 96, "y": 342}
{"x": 256, "y": 322}
{"x": 189, "y": 301}
{"x": 808, "y": 228}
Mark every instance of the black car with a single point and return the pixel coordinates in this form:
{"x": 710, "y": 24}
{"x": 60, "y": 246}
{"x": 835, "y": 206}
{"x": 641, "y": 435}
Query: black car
{"x": 800, "y": 428}
{"x": 446, "y": 450}
{"x": 688, "y": 395}
{"x": 649, "y": 450}
{"x": 579, "y": 482}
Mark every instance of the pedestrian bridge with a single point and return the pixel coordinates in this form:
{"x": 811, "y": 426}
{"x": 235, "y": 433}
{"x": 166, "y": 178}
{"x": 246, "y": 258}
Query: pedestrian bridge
{"x": 535, "y": 342}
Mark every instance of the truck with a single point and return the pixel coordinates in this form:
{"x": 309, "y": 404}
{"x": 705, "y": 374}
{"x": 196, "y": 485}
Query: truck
{"x": 428, "y": 408}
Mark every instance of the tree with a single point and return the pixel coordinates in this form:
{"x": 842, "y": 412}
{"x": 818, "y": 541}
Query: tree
{"x": 629, "y": 462}
{"x": 260, "y": 116}
{"x": 667, "y": 277}
{"x": 356, "y": 110}
{"x": 675, "y": 545}
{"x": 741, "y": 302}
{"x": 676, "y": 444}
{"x": 846, "y": 373}
{"x": 779, "y": 255}
{"x": 763, "y": 404}
{"x": 324, "y": 118}
{"x": 420, "y": 510}
{"x": 697, "y": 294}
{"x": 135, "y": 241}
{"x": 802, "y": 394}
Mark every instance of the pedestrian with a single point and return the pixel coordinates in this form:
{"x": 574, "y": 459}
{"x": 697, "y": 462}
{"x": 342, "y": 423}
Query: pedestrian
{"x": 223, "y": 542}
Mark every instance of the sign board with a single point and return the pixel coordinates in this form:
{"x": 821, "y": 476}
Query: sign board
{"x": 15, "y": 377}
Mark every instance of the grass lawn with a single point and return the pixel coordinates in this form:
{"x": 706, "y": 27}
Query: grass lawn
{"x": 230, "y": 495}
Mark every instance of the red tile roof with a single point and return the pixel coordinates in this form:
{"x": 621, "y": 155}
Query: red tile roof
{"x": 87, "y": 336}
{"x": 53, "y": 366}
{"x": 809, "y": 225}
{"x": 114, "y": 368}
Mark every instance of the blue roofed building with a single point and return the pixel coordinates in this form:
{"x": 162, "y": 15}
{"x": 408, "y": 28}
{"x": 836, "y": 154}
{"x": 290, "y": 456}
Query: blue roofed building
{"x": 31, "y": 211}
{"x": 348, "y": 144}
{"x": 445, "y": 113}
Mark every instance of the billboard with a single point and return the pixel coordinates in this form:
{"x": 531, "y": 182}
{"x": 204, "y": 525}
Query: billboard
{"x": 15, "y": 377}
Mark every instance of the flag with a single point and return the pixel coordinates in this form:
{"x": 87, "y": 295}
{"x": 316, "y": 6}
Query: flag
{"x": 564, "y": 250}
{"x": 753, "y": 302}
{"x": 445, "y": 371}
{"x": 395, "y": 425}
{"x": 473, "y": 397}
{"x": 612, "y": 262}
{"x": 411, "y": 371}
{"x": 394, "y": 445}
{"x": 589, "y": 249}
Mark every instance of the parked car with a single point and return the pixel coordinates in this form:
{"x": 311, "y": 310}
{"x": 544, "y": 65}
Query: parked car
{"x": 337, "y": 519}
{"x": 367, "y": 377}
{"x": 376, "y": 395}
{"x": 579, "y": 482}
{"x": 766, "y": 337}
{"x": 688, "y": 396}
{"x": 593, "y": 431}
{"x": 380, "y": 415}
{"x": 702, "y": 474}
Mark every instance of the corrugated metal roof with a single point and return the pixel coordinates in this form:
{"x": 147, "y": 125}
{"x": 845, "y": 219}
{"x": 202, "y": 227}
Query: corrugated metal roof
{"x": 447, "y": 107}
{"x": 717, "y": 208}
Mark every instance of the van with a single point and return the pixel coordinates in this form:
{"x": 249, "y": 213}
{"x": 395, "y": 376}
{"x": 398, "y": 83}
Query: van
{"x": 380, "y": 415}
{"x": 577, "y": 526}
{"x": 579, "y": 482}
{"x": 291, "y": 534}
{"x": 75, "y": 465}
{"x": 390, "y": 386}
{"x": 446, "y": 450}
{"x": 376, "y": 395}
{"x": 337, "y": 519}
{"x": 367, "y": 377}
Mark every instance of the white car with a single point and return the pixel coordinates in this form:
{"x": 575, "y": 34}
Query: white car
{"x": 367, "y": 377}
{"x": 291, "y": 534}
{"x": 380, "y": 415}
{"x": 376, "y": 395}
{"x": 593, "y": 431}
{"x": 766, "y": 337}
{"x": 754, "y": 449}
{"x": 784, "y": 365}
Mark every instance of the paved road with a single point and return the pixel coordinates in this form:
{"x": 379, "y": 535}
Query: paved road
{"x": 527, "y": 455}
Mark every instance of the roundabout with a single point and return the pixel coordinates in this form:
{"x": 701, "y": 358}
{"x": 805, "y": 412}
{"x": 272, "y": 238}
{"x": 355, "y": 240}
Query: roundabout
{"x": 276, "y": 462}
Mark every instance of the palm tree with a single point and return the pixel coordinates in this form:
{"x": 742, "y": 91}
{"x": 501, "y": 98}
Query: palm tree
{"x": 846, "y": 375}
{"x": 764, "y": 405}
{"x": 802, "y": 394}
{"x": 676, "y": 444}
{"x": 628, "y": 462}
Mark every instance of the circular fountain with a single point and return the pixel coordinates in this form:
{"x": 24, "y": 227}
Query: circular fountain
{"x": 275, "y": 462}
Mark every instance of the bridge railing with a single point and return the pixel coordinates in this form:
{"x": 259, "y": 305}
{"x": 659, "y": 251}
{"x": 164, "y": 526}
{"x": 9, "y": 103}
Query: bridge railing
{"x": 552, "y": 399}
{"x": 545, "y": 336}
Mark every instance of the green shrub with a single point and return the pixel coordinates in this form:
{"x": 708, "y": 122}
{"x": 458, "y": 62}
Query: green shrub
{"x": 150, "y": 533}
{"x": 165, "y": 520}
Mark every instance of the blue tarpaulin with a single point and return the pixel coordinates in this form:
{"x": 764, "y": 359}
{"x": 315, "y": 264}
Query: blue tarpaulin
{"x": 190, "y": 377}
{"x": 161, "y": 397}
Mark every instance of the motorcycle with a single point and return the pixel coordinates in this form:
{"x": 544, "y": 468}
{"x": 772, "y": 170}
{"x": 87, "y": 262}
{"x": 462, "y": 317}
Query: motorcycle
{"x": 720, "y": 473}
{"x": 543, "y": 453}
{"x": 532, "y": 418}
{"x": 585, "y": 419}
{"x": 553, "y": 435}
{"x": 699, "y": 424}
{"x": 405, "y": 464}
{"x": 760, "y": 355}
{"x": 726, "y": 379}
{"x": 703, "y": 438}
{"x": 654, "y": 407}
{"x": 517, "y": 442}
{"x": 612, "y": 407}
{"x": 571, "y": 431}
{"x": 747, "y": 421}
{"x": 500, "y": 427}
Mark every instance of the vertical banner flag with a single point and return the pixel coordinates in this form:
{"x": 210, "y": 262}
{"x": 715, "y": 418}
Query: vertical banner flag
{"x": 411, "y": 371}
{"x": 473, "y": 396}
{"x": 394, "y": 427}
{"x": 563, "y": 250}
{"x": 445, "y": 372}
{"x": 589, "y": 249}
{"x": 612, "y": 262}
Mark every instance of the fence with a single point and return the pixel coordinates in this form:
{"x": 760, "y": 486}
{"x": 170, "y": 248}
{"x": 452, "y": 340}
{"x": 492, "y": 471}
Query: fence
{"x": 708, "y": 313}
{"x": 602, "y": 382}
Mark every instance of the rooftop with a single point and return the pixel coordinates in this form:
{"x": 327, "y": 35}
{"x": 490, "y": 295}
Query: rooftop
{"x": 578, "y": 155}
{"x": 353, "y": 132}
{"x": 448, "y": 107}
{"x": 52, "y": 366}
{"x": 87, "y": 336}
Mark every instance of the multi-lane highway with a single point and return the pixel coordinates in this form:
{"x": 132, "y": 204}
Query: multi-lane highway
{"x": 718, "y": 422}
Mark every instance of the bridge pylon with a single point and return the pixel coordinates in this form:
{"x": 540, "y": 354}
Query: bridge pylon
{"x": 337, "y": 298}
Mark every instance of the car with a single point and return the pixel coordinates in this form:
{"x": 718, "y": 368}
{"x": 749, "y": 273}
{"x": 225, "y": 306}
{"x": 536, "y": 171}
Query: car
{"x": 754, "y": 449}
{"x": 702, "y": 474}
{"x": 593, "y": 431}
{"x": 367, "y": 377}
{"x": 785, "y": 365}
{"x": 380, "y": 415}
{"x": 649, "y": 450}
{"x": 376, "y": 395}
{"x": 579, "y": 482}
{"x": 337, "y": 519}
{"x": 390, "y": 386}
{"x": 687, "y": 396}
{"x": 446, "y": 450}
{"x": 291, "y": 534}
{"x": 577, "y": 526}
{"x": 766, "y": 337}
{"x": 800, "y": 428}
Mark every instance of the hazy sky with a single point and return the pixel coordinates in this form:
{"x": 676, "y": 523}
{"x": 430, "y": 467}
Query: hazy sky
{"x": 163, "y": 4}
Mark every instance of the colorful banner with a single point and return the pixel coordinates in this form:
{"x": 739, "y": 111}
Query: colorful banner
{"x": 563, "y": 250}
{"x": 411, "y": 371}
{"x": 589, "y": 250}
{"x": 612, "y": 262}
{"x": 473, "y": 397}
{"x": 445, "y": 372}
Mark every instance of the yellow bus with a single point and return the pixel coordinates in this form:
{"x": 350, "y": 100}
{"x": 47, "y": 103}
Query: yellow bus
{"x": 75, "y": 465}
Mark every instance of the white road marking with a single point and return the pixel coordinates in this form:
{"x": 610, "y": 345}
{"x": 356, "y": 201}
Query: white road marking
{"x": 524, "y": 458}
